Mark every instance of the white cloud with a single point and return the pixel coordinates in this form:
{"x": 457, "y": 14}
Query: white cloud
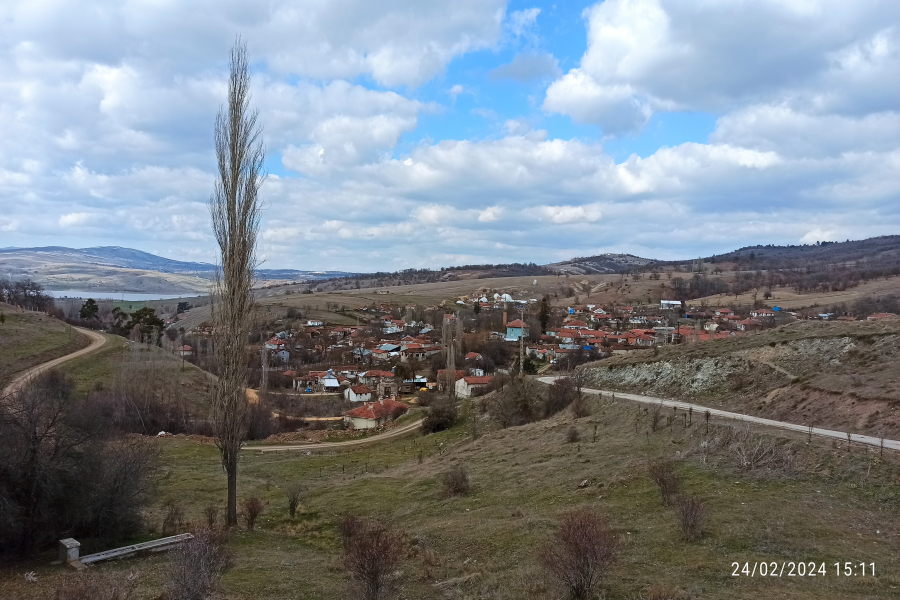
{"x": 650, "y": 55}
{"x": 817, "y": 235}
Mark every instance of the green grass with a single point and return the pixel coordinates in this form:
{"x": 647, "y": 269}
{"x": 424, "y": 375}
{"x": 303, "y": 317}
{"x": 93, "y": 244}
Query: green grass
{"x": 29, "y": 339}
{"x": 827, "y": 508}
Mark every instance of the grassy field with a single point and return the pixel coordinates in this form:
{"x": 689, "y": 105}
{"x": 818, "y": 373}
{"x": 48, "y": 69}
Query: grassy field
{"x": 28, "y": 339}
{"x": 823, "y": 505}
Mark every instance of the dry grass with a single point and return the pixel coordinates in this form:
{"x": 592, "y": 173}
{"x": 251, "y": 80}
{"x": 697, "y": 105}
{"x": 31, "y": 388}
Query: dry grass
{"x": 828, "y": 507}
{"x": 29, "y": 339}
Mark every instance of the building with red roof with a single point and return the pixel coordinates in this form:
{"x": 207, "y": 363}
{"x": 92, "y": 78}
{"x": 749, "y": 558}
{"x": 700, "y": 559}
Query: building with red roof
{"x": 374, "y": 414}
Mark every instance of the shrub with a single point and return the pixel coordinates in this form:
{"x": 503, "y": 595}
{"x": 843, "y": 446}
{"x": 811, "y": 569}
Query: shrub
{"x": 211, "y": 514}
{"x": 663, "y": 474}
{"x": 251, "y": 507}
{"x": 581, "y": 551}
{"x": 196, "y": 566}
{"x": 560, "y": 394}
{"x": 372, "y": 553}
{"x": 174, "y": 519}
{"x": 580, "y": 407}
{"x": 456, "y": 481}
{"x": 572, "y": 435}
{"x": 293, "y": 498}
{"x": 692, "y": 515}
{"x": 442, "y": 414}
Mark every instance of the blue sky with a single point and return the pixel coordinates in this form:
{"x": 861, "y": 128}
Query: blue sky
{"x": 410, "y": 134}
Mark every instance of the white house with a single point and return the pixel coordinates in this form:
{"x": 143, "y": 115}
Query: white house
{"x": 467, "y": 386}
{"x": 358, "y": 393}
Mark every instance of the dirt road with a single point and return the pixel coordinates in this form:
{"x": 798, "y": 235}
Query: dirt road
{"x": 97, "y": 340}
{"x": 715, "y": 412}
{"x": 329, "y": 445}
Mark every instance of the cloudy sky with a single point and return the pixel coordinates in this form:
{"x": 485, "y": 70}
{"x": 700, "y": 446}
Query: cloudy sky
{"x": 424, "y": 134}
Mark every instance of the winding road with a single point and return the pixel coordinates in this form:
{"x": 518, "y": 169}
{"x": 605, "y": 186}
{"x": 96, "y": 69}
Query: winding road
{"x": 398, "y": 431}
{"x": 97, "y": 341}
{"x": 715, "y": 412}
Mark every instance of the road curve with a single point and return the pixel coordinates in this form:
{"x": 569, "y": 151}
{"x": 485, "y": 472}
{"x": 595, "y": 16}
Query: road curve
{"x": 842, "y": 435}
{"x": 97, "y": 340}
{"x": 328, "y": 445}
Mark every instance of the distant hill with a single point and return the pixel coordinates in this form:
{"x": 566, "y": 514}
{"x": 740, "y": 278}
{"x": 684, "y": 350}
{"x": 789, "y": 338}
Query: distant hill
{"x": 601, "y": 264}
{"x": 112, "y": 268}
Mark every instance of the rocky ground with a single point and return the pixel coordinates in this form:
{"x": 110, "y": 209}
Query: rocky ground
{"x": 843, "y": 376}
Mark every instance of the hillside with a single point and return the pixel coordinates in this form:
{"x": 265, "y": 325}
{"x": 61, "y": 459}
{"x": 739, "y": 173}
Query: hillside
{"x": 812, "y": 503}
{"x": 834, "y": 375}
{"x": 28, "y": 339}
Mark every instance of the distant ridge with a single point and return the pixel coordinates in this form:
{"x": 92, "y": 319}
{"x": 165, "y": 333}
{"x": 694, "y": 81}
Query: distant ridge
{"x": 16, "y": 261}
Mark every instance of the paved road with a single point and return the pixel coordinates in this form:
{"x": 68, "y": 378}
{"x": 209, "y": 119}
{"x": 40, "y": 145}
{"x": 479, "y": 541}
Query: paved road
{"x": 97, "y": 340}
{"x": 329, "y": 445}
{"x": 699, "y": 410}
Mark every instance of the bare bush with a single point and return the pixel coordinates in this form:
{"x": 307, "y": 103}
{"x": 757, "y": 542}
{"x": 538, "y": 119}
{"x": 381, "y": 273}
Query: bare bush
{"x": 572, "y": 434}
{"x": 752, "y": 450}
{"x": 441, "y": 415}
{"x": 456, "y": 481}
{"x": 211, "y": 515}
{"x": 663, "y": 473}
{"x": 372, "y": 553}
{"x": 196, "y": 566}
{"x": 581, "y": 551}
{"x": 692, "y": 515}
{"x": 98, "y": 585}
{"x": 173, "y": 522}
{"x": 560, "y": 394}
{"x": 293, "y": 497}
{"x": 251, "y": 508}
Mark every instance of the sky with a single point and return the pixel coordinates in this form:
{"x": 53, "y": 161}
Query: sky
{"x": 410, "y": 134}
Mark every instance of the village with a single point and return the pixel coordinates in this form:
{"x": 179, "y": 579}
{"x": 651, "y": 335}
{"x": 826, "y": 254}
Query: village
{"x": 397, "y": 351}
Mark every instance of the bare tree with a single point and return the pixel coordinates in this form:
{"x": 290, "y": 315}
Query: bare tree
{"x": 234, "y": 207}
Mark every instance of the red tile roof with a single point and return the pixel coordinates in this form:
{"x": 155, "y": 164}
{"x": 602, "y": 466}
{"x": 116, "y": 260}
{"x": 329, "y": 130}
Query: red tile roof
{"x": 378, "y": 410}
{"x": 481, "y": 380}
{"x": 517, "y": 323}
{"x": 360, "y": 389}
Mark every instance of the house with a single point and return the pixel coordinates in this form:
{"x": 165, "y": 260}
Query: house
{"x": 473, "y": 356}
{"x": 468, "y": 386}
{"x": 747, "y": 325}
{"x": 442, "y": 377}
{"x": 515, "y": 330}
{"x": 185, "y": 351}
{"x": 758, "y": 313}
{"x": 374, "y": 414}
{"x": 276, "y": 344}
{"x": 313, "y": 323}
{"x": 358, "y": 393}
